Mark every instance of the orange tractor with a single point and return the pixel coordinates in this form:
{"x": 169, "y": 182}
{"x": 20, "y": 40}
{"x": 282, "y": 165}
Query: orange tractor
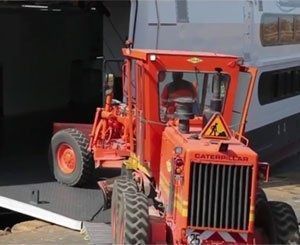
{"x": 187, "y": 177}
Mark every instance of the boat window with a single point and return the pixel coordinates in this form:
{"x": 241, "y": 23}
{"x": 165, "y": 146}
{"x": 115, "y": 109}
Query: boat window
{"x": 279, "y": 84}
{"x": 286, "y": 29}
{"x": 297, "y": 28}
{"x": 269, "y": 30}
{"x": 280, "y": 29}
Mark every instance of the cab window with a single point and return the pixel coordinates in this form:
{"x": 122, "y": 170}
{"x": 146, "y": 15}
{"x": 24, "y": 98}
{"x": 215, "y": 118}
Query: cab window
{"x": 197, "y": 86}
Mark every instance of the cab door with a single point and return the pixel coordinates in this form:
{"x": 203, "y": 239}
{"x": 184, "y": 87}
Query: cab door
{"x": 140, "y": 122}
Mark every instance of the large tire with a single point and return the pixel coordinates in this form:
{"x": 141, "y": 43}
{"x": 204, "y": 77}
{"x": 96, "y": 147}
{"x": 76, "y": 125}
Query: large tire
{"x": 261, "y": 207}
{"x": 72, "y": 163}
{"x": 285, "y": 223}
{"x": 261, "y": 198}
{"x": 134, "y": 219}
{"x": 263, "y": 216}
{"x": 277, "y": 220}
{"x": 120, "y": 186}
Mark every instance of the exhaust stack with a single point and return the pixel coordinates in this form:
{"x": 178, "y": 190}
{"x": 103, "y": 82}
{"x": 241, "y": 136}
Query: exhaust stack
{"x": 184, "y": 112}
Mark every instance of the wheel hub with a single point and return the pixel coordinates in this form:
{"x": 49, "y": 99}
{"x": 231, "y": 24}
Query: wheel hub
{"x": 66, "y": 158}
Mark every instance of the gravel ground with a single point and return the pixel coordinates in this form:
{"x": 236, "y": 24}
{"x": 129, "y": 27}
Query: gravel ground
{"x": 39, "y": 232}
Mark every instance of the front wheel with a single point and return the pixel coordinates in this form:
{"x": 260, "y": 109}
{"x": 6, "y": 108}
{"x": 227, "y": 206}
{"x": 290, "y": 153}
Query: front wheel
{"x": 121, "y": 185}
{"x": 133, "y": 219}
{"x": 71, "y": 161}
{"x": 285, "y": 223}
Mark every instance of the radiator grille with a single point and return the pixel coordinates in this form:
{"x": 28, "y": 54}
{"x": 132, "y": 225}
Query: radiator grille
{"x": 220, "y": 196}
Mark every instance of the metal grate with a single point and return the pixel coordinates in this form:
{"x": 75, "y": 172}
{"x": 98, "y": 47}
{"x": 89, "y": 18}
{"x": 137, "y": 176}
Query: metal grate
{"x": 220, "y": 196}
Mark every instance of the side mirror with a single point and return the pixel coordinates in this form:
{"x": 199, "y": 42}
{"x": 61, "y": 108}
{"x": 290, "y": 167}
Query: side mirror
{"x": 263, "y": 171}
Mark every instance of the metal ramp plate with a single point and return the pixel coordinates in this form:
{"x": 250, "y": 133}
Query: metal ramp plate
{"x": 98, "y": 233}
{"x": 58, "y": 204}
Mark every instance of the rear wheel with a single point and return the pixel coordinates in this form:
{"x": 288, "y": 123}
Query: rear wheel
{"x": 284, "y": 223}
{"x": 71, "y": 161}
{"x": 134, "y": 219}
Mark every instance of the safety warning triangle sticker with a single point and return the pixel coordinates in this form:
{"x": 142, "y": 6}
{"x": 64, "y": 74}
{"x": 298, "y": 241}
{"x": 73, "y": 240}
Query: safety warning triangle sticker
{"x": 216, "y": 128}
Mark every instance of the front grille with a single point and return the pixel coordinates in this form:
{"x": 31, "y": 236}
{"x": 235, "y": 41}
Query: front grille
{"x": 220, "y": 196}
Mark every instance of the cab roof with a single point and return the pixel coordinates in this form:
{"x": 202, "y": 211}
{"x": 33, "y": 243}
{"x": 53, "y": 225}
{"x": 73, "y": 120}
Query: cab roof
{"x": 143, "y": 53}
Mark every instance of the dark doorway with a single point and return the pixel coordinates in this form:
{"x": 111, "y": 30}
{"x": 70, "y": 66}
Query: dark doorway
{"x": 1, "y": 92}
{"x": 1, "y": 107}
{"x": 76, "y": 82}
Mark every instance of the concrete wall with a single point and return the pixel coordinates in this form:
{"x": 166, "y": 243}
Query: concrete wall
{"x": 37, "y": 50}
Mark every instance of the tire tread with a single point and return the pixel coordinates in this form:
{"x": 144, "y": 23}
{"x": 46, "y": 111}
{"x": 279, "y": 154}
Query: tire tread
{"x": 120, "y": 186}
{"x": 136, "y": 218}
{"x": 285, "y": 223}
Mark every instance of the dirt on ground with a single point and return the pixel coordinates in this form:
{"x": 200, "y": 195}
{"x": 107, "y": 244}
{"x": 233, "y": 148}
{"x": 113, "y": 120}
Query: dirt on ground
{"x": 40, "y": 232}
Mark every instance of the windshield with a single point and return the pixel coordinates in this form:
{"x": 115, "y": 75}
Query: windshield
{"x": 198, "y": 87}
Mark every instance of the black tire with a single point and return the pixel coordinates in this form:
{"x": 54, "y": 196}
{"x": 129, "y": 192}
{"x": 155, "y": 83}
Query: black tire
{"x": 277, "y": 220}
{"x": 120, "y": 186}
{"x": 84, "y": 166}
{"x": 134, "y": 219}
{"x": 263, "y": 215}
{"x": 261, "y": 197}
{"x": 284, "y": 223}
{"x": 261, "y": 207}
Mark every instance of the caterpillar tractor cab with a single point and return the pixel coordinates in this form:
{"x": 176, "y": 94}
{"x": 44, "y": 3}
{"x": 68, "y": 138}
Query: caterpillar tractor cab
{"x": 187, "y": 176}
